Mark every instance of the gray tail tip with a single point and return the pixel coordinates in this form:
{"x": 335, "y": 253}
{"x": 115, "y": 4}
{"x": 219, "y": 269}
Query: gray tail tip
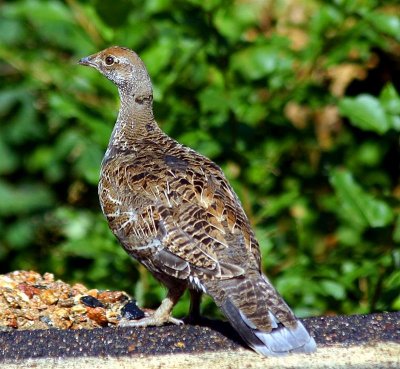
{"x": 284, "y": 340}
{"x": 279, "y": 341}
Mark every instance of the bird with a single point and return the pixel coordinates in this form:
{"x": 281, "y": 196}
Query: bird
{"x": 174, "y": 211}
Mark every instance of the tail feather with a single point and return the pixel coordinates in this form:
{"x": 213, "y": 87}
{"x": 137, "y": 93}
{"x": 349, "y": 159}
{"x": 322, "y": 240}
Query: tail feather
{"x": 278, "y": 342}
{"x": 275, "y": 337}
{"x": 283, "y": 339}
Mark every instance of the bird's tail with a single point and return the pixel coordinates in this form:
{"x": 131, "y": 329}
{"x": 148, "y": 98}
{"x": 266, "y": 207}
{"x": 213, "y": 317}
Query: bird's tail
{"x": 261, "y": 316}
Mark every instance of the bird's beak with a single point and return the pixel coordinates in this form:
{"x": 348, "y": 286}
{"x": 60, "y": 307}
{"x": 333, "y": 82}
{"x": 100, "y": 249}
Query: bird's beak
{"x": 88, "y": 61}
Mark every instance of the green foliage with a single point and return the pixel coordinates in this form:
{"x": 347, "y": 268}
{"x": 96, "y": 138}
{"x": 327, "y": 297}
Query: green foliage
{"x": 371, "y": 114}
{"x": 357, "y": 206}
{"x": 298, "y": 102}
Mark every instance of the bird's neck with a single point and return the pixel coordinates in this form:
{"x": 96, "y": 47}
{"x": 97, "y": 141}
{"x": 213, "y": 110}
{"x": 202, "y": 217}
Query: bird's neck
{"x": 135, "y": 123}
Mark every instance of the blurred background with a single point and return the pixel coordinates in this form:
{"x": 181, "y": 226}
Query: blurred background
{"x": 298, "y": 102}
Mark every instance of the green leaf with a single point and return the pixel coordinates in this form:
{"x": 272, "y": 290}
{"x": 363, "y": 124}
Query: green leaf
{"x": 365, "y": 112}
{"x": 232, "y": 21}
{"x": 214, "y": 99}
{"x": 23, "y": 199}
{"x": 349, "y": 235}
{"x": 390, "y": 99}
{"x": 158, "y": 55}
{"x": 396, "y": 233}
{"x": 9, "y": 161}
{"x": 389, "y": 24}
{"x": 359, "y": 206}
{"x": 332, "y": 288}
{"x": 88, "y": 164}
{"x": 259, "y": 61}
{"x": 201, "y": 142}
{"x": 326, "y": 17}
{"x": 21, "y": 233}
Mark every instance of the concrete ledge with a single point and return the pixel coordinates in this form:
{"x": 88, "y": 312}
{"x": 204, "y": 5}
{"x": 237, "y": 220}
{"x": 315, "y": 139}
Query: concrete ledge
{"x": 359, "y": 341}
{"x": 334, "y": 357}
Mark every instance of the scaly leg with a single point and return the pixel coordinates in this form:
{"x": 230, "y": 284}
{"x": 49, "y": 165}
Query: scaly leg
{"x": 194, "y": 310}
{"x": 162, "y": 315}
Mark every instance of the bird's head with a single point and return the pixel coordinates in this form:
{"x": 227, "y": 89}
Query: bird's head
{"x": 124, "y": 68}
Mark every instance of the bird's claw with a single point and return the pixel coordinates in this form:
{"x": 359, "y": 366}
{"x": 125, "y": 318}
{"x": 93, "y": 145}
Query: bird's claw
{"x": 151, "y": 320}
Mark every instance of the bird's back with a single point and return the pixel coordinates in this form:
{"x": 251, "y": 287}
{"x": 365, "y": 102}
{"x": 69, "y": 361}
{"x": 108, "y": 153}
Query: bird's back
{"x": 160, "y": 176}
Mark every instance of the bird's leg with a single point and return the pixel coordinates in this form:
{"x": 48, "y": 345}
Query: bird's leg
{"x": 194, "y": 310}
{"x": 163, "y": 313}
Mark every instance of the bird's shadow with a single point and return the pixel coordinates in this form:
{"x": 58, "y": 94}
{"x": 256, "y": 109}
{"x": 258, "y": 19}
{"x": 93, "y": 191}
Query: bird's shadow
{"x": 222, "y": 327}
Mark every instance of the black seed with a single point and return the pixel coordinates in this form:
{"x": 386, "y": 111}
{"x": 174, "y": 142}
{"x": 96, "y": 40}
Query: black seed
{"x": 131, "y": 311}
{"x": 91, "y": 301}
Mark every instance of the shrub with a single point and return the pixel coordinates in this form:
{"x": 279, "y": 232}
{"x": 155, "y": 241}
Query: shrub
{"x": 297, "y": 101}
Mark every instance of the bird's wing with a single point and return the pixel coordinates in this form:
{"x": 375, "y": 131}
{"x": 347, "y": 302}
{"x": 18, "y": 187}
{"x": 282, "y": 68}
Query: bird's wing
{"x": 195, "y": 215}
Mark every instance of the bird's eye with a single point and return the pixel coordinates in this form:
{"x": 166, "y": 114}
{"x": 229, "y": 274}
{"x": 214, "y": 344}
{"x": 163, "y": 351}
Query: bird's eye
{"x": 109, "y": 60}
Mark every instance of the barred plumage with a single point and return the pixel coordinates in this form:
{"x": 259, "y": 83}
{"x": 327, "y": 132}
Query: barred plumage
{"x": 174, "y": 211}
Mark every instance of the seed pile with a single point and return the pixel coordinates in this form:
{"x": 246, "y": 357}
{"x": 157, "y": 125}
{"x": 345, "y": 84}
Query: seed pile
{"x": 29, "y": 300}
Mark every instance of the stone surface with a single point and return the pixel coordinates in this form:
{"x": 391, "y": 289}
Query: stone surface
{"x": 358, "y": 341}
{"x": 385, "y": 356}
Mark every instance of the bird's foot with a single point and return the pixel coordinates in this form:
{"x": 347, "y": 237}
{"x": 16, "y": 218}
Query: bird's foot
{"x": 160, "y": 317}
{"x": 148, "y": 321}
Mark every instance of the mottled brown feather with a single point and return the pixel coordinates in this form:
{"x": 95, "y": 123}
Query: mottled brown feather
{"x": 186, "y": 203}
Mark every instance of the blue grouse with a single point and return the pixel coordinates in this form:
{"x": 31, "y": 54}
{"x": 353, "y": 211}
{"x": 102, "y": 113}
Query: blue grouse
{"x": 173, "y": 210}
